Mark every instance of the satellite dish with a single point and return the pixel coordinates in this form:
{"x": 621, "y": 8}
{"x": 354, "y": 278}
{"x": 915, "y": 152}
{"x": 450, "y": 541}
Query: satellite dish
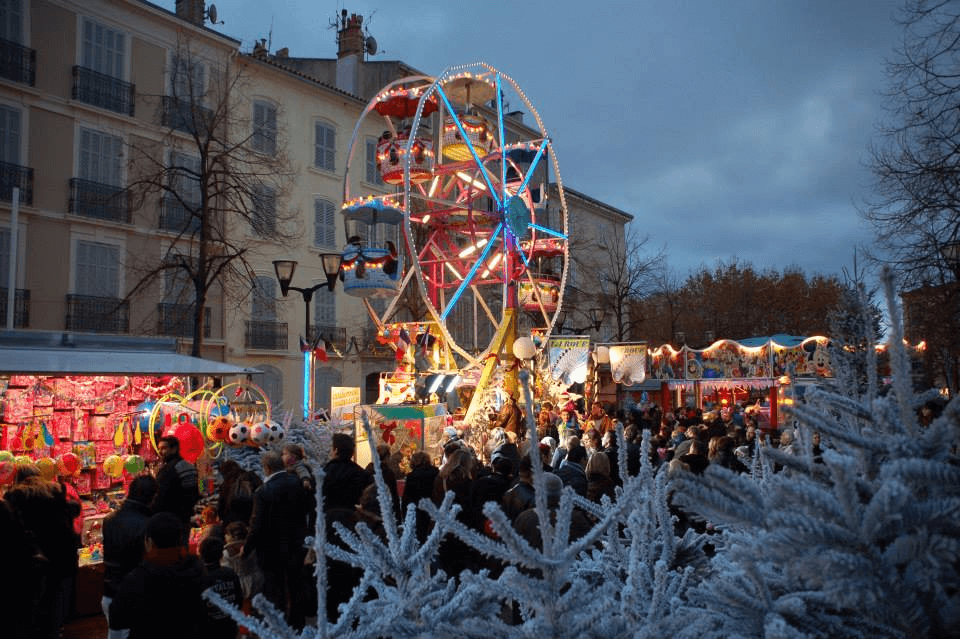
{"x": 212, "y": 13}
{"x": 370, "y": 44}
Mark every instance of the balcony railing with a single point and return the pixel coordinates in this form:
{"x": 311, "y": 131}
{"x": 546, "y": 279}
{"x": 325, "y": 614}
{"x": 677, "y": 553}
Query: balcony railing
{"x": 17, "y": 62}
{"x": 186, "y": 116}
{"x": 12, "y": 175}
{"x": 102, "y": 201}
{"x": 270, "y": 336}
{"x": 174, "y": 216}
{"x": 97, "y": 314}
{"x": 103, "y": 91}
{"x": 176, "y": 320}
{"x": 21, "y": 308}
{"x": 335, "y": 335}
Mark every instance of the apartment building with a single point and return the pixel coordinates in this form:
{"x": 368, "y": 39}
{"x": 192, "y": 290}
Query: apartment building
{"x": 98, "y": 96}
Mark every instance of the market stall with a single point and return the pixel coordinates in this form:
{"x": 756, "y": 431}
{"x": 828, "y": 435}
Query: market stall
{"x": 87, "y": 410}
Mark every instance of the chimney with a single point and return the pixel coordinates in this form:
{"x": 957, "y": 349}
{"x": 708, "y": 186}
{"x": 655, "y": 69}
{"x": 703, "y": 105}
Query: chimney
{"x": 350, "y": 35}
{"x": 191, "y": 11}
{"x": 349, "y": 52}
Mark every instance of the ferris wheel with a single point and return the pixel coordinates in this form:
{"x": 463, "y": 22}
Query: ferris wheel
{"x": 486, "y": 250}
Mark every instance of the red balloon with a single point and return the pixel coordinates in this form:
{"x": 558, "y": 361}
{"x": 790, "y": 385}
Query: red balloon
{"x": 191, "y": 441}
{"x": 70, "y": 463}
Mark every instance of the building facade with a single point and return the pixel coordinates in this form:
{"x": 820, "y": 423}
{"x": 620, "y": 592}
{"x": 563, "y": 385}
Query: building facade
{"x": 97, "y": 96}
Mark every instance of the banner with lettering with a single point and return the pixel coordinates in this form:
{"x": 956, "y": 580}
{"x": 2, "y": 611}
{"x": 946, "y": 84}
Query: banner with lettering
{"x": 568, "y": 357}
{"x": 628, "y": 363}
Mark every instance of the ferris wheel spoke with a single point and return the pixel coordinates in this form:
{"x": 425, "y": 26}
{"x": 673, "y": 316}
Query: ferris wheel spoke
{"x": 533, "y": 166}
{"x": 473, "y": 151}
{"x": 503, "y": 140}
{"x": 469, "y": 277}
{"x": 548, "y": 231}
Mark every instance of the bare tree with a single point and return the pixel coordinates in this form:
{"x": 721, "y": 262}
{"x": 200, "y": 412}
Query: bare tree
{"x": 220, "y": 174}
{"x": 916, "y": 162}
{"x": 625, "y": 271}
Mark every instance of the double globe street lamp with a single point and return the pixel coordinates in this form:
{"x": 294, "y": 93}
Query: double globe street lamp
{"x": 284, "y": 270}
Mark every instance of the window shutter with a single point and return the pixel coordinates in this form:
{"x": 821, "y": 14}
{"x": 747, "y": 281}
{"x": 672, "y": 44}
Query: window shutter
{"x": 10, "y": 132}
{"x": 264, "y": 299}
{"x": 98, "y": 269}
{"x": 11, "y": 20}
{"x": 372, "y": 176}
{"x": 325, "y": 308}
{"x": 331, "y": 149}
{"x": 323, "y": 223}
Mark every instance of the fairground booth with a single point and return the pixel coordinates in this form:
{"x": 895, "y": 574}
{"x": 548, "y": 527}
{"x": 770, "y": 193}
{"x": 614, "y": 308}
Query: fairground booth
{"x": 88, "y": 409}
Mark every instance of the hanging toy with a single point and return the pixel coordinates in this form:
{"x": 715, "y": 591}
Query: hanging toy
{"x": 260, "y": 433}
{"x": 144, "y": 410}
{"x": 68, "y": 464}
{"x": 113, "y": 465}
{"x": 134, "y": 464}
{"x": 46, "y": 435}
{"x": 218, "y": 429}
{"x": 47, "y": 468}
{"x": 239, "y": 434}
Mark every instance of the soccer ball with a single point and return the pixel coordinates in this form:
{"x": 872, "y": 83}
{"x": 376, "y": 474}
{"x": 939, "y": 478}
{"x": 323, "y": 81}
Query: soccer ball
{"x": 218, "y": 429}
{"x": 239, "y": 434}
{"x": 260, "y": 433}
{"x": 275, "y": 433}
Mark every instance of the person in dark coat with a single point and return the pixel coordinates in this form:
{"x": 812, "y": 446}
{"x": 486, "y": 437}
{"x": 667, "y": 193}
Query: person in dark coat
{"x": 344, "y": 480}
{"x": 571, "y": 471}
{"x": 124, "y": 531}
{"x": 389, "y": 476}
{"x": 177, "y": 487}
{"x": 277, "y": 533}
{"x": 419, "y": 485}
{"x": 21, "y": 558}
{"x": 215, "y": 624}
{"x": 235, "y": 495}
{"x": 490, "y": 487}
{"x": 599, "y": 482}
{"x": 41, "y": 507}
{"x": 161, "y": 597}
{"x": 519, "y": 497}
{"x": 528, "y": 524}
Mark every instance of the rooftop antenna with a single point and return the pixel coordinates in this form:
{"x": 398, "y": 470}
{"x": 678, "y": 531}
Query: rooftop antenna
{"x": 270, "y": 35}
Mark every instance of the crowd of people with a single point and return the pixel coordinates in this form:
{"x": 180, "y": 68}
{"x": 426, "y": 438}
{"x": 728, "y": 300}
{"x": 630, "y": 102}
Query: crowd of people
{"x": 255, "y": 543}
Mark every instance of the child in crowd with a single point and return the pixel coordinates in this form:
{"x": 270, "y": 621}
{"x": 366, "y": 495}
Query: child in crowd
{"x": 225, "y": 582}
{"x": 251, "y": 579}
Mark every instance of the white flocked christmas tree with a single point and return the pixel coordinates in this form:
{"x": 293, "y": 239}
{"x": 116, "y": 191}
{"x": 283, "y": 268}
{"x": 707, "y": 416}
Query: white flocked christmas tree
{"x": 859, "y": 541}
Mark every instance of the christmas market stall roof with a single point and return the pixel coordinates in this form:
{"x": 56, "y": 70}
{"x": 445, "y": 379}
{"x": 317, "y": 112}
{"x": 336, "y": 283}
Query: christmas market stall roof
{"x": 65, "y": 353}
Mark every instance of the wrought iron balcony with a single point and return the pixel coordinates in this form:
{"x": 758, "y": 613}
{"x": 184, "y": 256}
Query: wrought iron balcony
{"x": 186, "y": 116}
{"x": 97, "y": 314}
{"x": 177, "y": 320}
{"x": 335, "y": 335}
{"x": 17, "y": 62}
{"x": 270, "y": 336}
{"x": 101, "y": 201}
{"x": 103, "y": 91}
{"x": 174, "y": 216}
{"x": 21, "y": 307}
{"x": 12, "y": 175}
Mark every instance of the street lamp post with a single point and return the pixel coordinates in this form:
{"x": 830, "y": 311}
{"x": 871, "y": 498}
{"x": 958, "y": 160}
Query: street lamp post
{"x": 284, "y": 270}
